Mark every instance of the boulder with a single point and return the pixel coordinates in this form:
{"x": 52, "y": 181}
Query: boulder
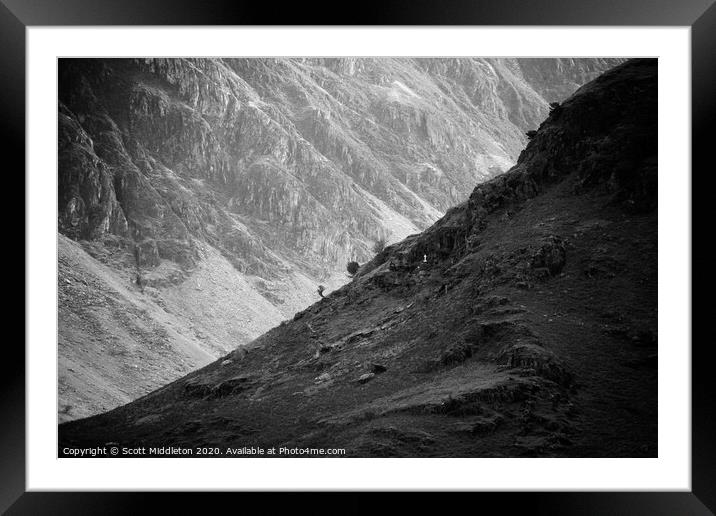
{"x": 551, "y": 255}
{"x": 324, "y": 377}
{"x": 364, "y": 378}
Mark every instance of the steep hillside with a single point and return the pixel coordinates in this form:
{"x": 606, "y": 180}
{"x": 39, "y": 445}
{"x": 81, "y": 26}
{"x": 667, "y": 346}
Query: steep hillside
{"x": 522, "y": 323}
{"x": 282, "y": 169}
{"x": 118, "y": 340}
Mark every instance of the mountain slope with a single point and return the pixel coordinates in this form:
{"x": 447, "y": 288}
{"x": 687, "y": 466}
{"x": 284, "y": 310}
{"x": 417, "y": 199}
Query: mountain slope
{"x": 521, "y": 323}
{"x": 118, "y": 341}
{"x": 282, "y": 169}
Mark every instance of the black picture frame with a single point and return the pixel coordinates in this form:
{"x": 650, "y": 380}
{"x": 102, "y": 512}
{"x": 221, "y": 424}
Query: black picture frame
{"x": 700, "y": 15}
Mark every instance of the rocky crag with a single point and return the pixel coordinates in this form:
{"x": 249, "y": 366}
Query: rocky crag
{"x": 522, "y": 323}
{"x": 220, "y": 192}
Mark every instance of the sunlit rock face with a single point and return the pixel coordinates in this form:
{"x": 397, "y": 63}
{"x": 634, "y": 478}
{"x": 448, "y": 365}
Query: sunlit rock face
{"x": 305, "y": 161}
{"x": 224, "y": 191}
{"x": 522, "y": 323}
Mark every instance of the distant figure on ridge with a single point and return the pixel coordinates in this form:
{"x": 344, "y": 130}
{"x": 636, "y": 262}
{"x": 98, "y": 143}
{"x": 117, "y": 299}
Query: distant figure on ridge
{"x": 140, "y": 282}
{"x": 320, "y": 290}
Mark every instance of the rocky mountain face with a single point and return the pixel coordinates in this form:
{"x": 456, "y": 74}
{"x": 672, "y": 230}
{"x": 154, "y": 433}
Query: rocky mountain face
{"x": 219, "y": 193}
{"x": 522, "y": 323}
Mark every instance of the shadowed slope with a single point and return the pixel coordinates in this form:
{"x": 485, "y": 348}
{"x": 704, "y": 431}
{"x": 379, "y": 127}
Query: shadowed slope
{"x": 230, "y": 188}
{"x": 522, "y": 323}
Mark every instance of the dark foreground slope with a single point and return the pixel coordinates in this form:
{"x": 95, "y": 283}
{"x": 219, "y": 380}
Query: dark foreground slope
{"x": 202, "y": 201}
{"x": 522, "y": 323}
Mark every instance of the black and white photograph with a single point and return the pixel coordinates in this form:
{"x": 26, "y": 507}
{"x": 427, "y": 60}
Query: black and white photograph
{"x": 373, "y": 257}
{"x": 427, "y": 248}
